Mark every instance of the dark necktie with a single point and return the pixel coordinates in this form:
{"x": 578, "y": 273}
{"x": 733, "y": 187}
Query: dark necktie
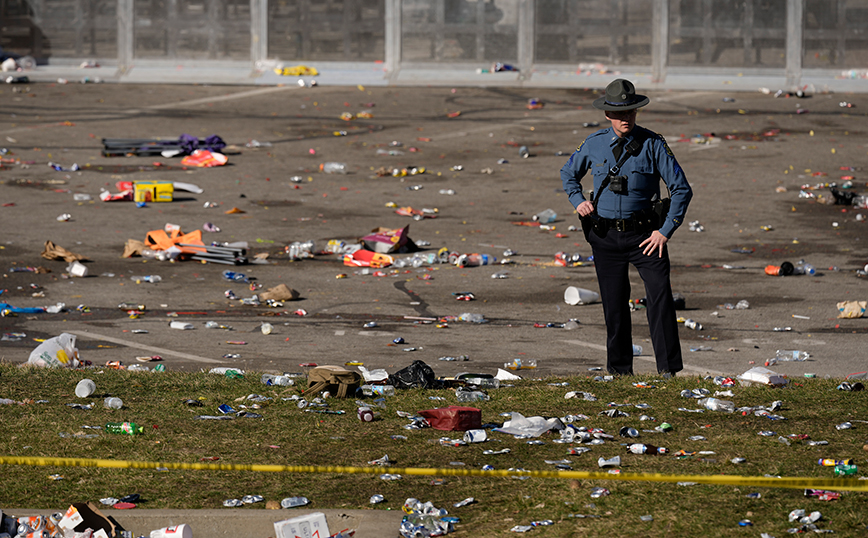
{"x": 619, "y": 148}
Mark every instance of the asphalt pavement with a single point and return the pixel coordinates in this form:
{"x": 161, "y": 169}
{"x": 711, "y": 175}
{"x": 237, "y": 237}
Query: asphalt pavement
{"x": 757, "y": 164}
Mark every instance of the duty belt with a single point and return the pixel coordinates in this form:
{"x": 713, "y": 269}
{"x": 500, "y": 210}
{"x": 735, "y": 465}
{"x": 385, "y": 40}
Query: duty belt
{"x": 627, "y": 225}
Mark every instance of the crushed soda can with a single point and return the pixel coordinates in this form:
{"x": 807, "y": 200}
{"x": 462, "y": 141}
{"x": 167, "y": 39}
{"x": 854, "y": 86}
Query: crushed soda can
{"x": 844, "y": 426}
{"x": 293, "y": 502}
{"x": 250, "y": 499}
{"x": 232, "y": 503}
{"x": 376, "y": 499}
{"x": 465, "y": 502}
{"x": 596, "y": 493}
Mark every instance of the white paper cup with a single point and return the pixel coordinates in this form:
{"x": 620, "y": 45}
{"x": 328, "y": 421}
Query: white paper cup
{"x": 574, "y": 296}
{"x": 85, "y": 388}
{"x": 177, "y": 531}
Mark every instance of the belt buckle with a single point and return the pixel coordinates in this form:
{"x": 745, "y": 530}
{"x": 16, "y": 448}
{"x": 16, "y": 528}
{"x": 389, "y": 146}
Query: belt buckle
{"x": 621, "y": 225}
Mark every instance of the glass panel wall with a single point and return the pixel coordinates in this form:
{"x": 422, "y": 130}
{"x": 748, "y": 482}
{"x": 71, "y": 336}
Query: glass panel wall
{"x": 192, "y": 29}
{"x": 728, "y": 33}
{"x": 459, "y": 31}
{"x": 336, "y": 30}
{"x": 595, "y": 33}
{"x": 836, "y": 34}
{"x": 48, "y": 29}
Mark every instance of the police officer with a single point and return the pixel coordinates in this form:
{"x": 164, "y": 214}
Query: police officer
{"x": 626, "y": 163}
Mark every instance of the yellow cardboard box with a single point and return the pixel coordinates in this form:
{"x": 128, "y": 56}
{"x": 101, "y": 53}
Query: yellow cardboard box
{"x": 153, "y": 191}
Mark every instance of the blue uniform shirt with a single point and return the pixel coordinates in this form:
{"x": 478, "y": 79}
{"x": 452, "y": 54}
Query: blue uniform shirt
{"x": 654, "y": 161}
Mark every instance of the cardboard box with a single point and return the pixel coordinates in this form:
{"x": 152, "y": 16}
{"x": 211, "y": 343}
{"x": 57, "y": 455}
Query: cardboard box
{"x": 153, "y": 191}
{"x": 308, "y": 526}
{"x": 81, "y": 516}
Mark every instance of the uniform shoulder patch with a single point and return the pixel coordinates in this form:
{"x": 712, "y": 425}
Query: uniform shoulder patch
{"x": 665, "y": 145}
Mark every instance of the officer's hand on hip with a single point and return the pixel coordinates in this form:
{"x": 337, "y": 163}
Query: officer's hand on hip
{"x": 654, "y": 243}
{"x": 585, "y": 208}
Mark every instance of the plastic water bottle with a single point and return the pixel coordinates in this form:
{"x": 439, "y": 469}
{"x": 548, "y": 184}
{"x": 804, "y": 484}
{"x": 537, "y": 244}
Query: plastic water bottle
{"x": 545, "y": 217}
{"x": 281, "y": 380}
{"x": 474, "y": 260}
{"x": 153, "y": 279}
{"x": 691, "y": 324}
{"x": 333, "y": 168}
{"x": 483, "y": 382}
{"x": 471, "y": 396}
{"x": 293, "y": 502}
{"x": 237, "y": 277}
{"x": 651, "y": 450}
{"x": 381, "y": 390}
{"x": 519, "y": 364}
{"x": 152, "y": 254}
{"x": 714, "y": 404}
{"x": 125, "y": 428}
{"x": 785, "y": 355}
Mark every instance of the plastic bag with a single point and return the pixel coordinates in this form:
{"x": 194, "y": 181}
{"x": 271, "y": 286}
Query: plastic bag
{"x": 56, "y": 352}
{"x": 416, "y": 376}
{"x": 532, "y": 426}
{"x": 374, "y": 376}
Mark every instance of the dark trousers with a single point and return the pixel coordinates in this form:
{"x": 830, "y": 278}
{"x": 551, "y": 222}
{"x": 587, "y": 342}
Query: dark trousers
{"x": 613, "y": 255}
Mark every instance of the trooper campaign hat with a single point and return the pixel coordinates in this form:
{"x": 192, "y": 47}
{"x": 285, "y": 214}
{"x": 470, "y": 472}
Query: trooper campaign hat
{"x": 620, "y": 96}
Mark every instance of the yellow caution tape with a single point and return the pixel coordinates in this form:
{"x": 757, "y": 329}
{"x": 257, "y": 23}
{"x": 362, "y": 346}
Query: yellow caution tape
{"x": 848, "y": 484}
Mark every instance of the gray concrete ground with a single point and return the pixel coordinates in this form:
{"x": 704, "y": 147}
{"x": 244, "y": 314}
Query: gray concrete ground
{"x": 737, "y": 153}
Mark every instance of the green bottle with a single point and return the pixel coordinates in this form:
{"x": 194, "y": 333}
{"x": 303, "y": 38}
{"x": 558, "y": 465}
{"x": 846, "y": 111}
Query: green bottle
{"x": 846, "y": 470}
{"x": 126, "y": 428}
